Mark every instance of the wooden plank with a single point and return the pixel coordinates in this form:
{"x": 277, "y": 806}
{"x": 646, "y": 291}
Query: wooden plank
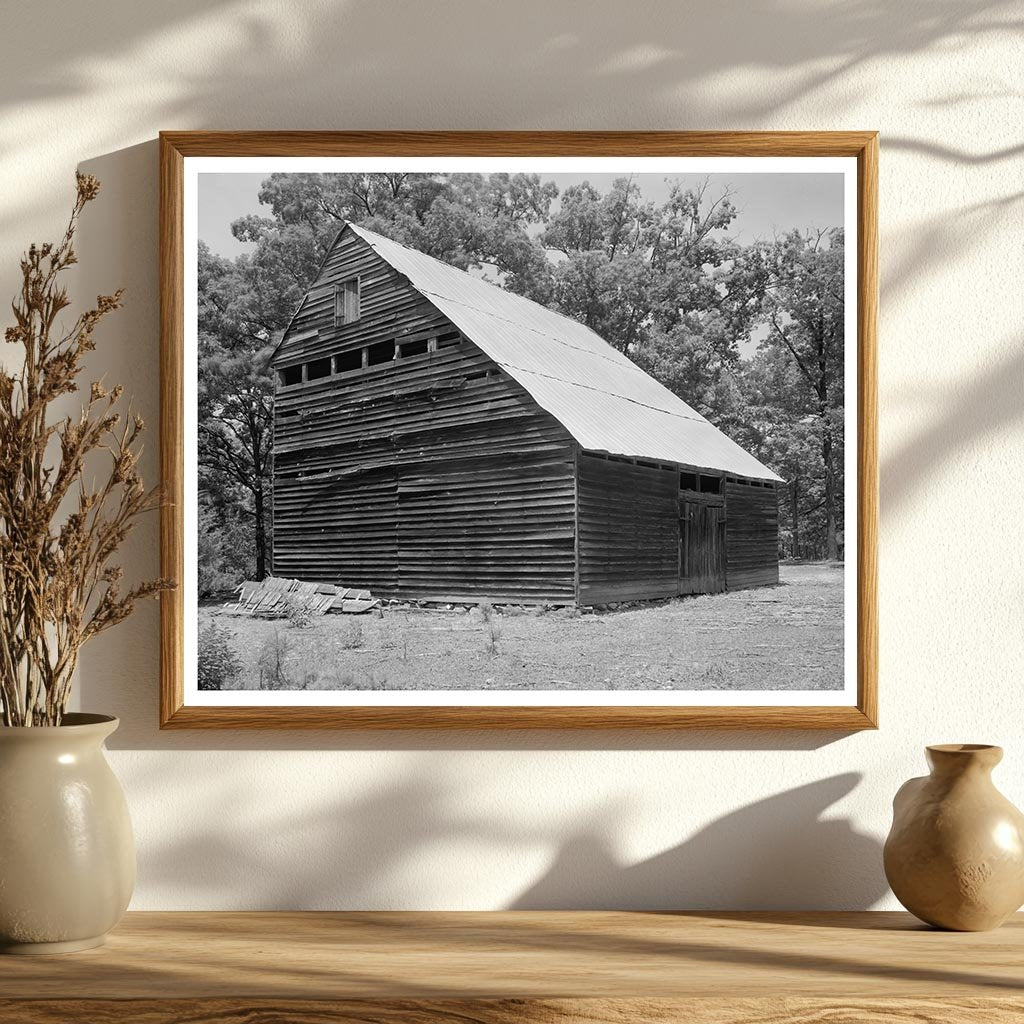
{"x": 752, "y": 536}
{"x": 577, "y": 557}
{"x": 701, "y": 498}
{"x": 605, "y": 591}
{"x": 867, "y": 428}
{"x": 723, "y": 1010}
{"x": 614, "y": 966}
{"x": 523, "y": 143}
{"x": 628, "y": 531}
{"x": 172, "y": 451}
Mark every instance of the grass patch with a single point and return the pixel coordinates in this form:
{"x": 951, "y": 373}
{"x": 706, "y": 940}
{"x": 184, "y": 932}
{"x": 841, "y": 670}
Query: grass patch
{"x": 776, "y": 638}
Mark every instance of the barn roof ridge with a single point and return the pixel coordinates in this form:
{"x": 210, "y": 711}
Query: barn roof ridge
{"x": 625, "y": 411}
{"x": 569, "y": 380}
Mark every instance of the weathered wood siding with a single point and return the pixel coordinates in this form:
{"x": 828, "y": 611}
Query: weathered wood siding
{"x": 751, "y": 535}
{"x": 628, "y": 531}
{"x": 432, "y": 477}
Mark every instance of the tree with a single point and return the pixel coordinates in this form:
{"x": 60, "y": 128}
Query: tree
{"x": 604, "y": 275}
{"x": 467, "y": 220}
{"x": 803, "y": 306}
{"x": 235, "y": 397}
{"x": 664, "y": 284}
{"x": 780, "y": 427}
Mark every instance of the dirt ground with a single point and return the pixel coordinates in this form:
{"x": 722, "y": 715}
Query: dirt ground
{"x": 788, "y": 637}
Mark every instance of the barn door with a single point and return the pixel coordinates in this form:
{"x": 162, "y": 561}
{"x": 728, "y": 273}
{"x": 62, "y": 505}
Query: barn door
{"x": 701, "y": 548}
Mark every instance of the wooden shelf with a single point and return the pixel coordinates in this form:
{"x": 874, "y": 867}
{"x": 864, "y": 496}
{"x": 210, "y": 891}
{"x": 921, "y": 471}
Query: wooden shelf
{"x": 501, "y": 968}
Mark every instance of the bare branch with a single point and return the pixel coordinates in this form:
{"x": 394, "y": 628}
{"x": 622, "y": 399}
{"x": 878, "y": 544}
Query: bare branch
{"x": 56, "y": 590}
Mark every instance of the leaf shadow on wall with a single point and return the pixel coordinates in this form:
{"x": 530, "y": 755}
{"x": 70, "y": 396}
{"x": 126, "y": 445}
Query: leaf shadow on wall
{"x": 958, "y": 418}
{"x": 388, "y": 848}
{"x": 340, "y": 50}
{"x": 385, "y": 64}
{"x": 940, "y": 239}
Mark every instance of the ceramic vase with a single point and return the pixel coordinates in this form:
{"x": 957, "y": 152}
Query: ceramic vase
{"x": 67, "y": 859}
{"x": 955, "y": 854}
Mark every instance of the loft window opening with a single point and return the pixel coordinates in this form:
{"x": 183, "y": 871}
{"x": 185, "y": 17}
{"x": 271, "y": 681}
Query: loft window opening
{"x": 318, "y": 368}
{"x": 382, "y": 352}
{"x": 346, "y": 362}
{"x": 413, "y": 348}
{"x": 290, "y": 375}
{"x": 688, "y": 481}
{"x": 448, "y": 340}
{"x": 710, "y": 485}
{"x": 346, "y": 302}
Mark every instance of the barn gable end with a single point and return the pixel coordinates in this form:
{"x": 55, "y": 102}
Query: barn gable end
{"x": 429, "y": 475}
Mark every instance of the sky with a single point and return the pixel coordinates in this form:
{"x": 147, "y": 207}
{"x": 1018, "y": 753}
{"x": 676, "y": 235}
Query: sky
{"x": 767, "y": 203}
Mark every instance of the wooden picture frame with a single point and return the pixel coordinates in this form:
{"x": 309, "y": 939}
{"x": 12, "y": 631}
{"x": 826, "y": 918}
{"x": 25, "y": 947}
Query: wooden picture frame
{"x": 177, "y": 147}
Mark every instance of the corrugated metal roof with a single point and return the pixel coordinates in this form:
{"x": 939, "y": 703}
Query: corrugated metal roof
{"x": 601, "y": 397}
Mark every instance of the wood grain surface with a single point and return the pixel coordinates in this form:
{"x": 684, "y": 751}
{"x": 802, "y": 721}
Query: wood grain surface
{"x": 175, "y": 147}
{"x": 524, "y": 966}
{"x": 515, "y": 1011}
{"x": 524, "y": 143}
{"x": 527, "y": 955}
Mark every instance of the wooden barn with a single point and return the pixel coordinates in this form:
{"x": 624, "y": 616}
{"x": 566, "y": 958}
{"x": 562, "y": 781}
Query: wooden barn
{"x": 437, "y": 438}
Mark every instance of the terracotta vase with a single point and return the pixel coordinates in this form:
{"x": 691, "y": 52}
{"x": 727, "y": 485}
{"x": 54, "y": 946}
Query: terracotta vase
{"x": 67, "y": 859}
{"x": 955, "y": 854}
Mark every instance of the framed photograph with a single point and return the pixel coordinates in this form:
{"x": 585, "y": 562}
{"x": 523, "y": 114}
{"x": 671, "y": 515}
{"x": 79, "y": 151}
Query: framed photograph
{"x": 519, "y": 430}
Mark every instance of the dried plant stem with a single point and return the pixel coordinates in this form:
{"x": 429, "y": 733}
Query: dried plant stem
{"x": 58, "y": 585}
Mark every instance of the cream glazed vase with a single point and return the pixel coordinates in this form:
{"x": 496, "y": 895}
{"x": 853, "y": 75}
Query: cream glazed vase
{"x": 955, "y": 855}
{"x": 67, "y": 859}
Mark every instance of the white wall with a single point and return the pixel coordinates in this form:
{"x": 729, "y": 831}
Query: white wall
{"x": 340, "y": 820}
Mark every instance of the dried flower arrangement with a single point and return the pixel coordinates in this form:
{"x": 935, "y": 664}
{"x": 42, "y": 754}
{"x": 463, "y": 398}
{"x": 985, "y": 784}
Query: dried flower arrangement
{"x": 58, "y": 586}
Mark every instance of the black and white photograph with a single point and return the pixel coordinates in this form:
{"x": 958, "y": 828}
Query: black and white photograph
{"x": 521, "y": 431}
